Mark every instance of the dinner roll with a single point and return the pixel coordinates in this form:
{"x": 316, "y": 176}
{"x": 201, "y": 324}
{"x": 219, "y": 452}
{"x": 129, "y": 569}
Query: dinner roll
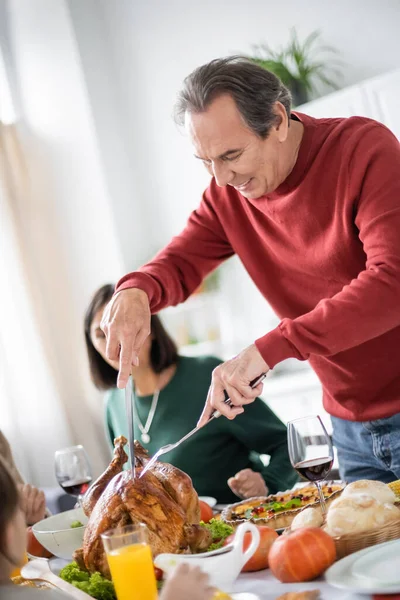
{"x": 309, "y": 517}
{"x": 378, "y": 490}
{"x": 358, "y": 513}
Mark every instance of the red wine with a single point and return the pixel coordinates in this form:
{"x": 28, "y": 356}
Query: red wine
{"x": 76, "y": 487}
{"x": 315, "y": 469}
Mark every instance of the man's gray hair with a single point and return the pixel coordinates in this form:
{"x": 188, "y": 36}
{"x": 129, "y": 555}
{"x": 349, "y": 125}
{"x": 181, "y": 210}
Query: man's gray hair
{"x": 254, "y": 90}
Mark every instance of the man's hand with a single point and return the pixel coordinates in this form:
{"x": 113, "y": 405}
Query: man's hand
{"x": 248, "y": 483}
{"x": 33, "y": 503}
{"x": 234, "y": 376}
{"x": 126, "y": 323}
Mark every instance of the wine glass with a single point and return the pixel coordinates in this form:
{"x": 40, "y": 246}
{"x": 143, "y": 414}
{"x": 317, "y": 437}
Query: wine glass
{"x": 73, "y": 471}
{"x": 310, "y": 451}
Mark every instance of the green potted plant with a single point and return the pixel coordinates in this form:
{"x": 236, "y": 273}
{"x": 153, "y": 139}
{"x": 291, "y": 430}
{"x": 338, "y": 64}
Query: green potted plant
{"x": 300, "y": 65}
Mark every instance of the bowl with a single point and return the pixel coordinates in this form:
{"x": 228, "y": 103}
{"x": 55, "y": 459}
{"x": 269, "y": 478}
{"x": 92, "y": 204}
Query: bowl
{"x": 57, "y": 536}
{"x": 223, "y": 568}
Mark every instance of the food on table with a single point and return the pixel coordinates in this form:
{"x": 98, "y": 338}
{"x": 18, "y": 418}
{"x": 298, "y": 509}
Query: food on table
{"x": 359, "y": 513}
{"x": 301, "y": 555}
{"x": 206, "y": 512}
{"x": 219, "y": 531}
{"x": 76, "y": 524}
{"x": 34, "y": 547}
{"x": 378, "y": 490}
{"x": 259, "y": 560}
{"x": 221, "y": 596}
{"x": 309, "y": 517}
{"x": 93, "y": 584}
{"x": 164, "y": 499}
{"x": 279, "y": 510}
{"x": 395, "y": 487}
{"x": 306, "y": 595}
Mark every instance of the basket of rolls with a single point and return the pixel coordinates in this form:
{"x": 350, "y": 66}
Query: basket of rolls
{"x": 367, "y": 513}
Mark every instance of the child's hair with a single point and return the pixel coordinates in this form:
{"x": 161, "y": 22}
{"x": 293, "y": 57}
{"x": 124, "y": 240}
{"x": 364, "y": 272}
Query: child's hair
{"x": 9, "y": 499}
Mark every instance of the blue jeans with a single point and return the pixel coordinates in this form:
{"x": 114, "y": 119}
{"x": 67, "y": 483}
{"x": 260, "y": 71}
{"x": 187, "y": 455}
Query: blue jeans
{"x": 368, "y": 449}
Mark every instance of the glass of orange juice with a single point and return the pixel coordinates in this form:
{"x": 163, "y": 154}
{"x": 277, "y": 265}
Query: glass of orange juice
{"x": 131, "y": 563}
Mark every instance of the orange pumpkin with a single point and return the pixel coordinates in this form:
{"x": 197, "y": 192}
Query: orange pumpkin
{"x": 302, "y": 555}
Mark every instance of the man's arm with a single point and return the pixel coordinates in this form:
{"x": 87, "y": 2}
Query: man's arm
{"x": 166, "y": 280}
{"x": 176, "y": 271}
{"x": 369, "y": 305}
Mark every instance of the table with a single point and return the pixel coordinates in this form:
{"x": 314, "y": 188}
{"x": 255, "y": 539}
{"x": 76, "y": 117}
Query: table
{"x": 267, "y": 587}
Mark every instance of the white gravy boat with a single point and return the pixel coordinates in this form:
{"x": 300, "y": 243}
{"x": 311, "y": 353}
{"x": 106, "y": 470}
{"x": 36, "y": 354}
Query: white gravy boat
{"x": 223, "y": 568}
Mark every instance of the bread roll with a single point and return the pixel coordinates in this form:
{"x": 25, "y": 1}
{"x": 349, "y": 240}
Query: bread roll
{"x": 358, "y": 513}
{"x": 378, "y": 490}
{"x": 309, "y": 517}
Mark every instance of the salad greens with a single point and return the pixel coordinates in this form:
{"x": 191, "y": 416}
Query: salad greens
{"x": 219, "y": 531}
{"x": 251, "y": 513}
{"x": 95, "y": 585}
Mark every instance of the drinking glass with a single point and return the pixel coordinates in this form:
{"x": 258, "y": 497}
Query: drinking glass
{"x": 131, "y": 563}
{"x": 310, "y": 451}
{"x": 73, "y": 471}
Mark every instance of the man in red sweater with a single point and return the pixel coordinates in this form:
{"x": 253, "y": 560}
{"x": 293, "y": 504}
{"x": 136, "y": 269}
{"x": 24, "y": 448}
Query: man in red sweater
{"x": 312, "y": 208}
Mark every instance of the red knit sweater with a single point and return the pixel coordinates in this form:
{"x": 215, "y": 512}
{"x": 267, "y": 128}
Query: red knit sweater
{"x": 323, "y": 249}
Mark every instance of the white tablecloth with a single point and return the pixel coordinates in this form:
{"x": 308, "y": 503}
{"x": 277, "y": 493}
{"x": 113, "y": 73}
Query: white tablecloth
{"x": 267, "y": 587}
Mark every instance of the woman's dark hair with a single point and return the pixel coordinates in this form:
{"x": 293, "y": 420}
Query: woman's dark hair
{"x": 9, "y": 500}
{"x": 254, "y": 90}
{"x": 163, "y": 353}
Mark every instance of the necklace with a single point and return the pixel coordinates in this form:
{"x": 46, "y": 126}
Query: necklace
{"x": 144, "y": 429}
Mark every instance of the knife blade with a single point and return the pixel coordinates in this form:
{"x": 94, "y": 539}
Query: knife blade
{"x": 129, "y": 418}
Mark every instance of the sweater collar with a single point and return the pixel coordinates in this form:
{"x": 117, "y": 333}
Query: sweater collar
{"x": 297, "y": 173}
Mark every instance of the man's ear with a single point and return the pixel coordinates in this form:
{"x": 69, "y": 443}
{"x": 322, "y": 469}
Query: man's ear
{"x": 281, "y": 124}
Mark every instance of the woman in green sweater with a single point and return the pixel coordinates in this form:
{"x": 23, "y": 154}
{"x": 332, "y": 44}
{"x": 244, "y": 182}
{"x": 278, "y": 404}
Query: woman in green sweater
{"x": 224, "y": 458}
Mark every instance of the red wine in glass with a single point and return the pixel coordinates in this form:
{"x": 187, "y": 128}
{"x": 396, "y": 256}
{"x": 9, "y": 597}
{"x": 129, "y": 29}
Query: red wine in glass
{"x": 314, "y": 469}
{"x": 310, "y": 451}
{"x": 73, "y": 471}
{"x": 75, "y": 487}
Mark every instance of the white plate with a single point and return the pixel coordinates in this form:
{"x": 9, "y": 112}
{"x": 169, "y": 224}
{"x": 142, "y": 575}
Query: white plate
{"x": 209, "y": 499}
{"x": 345, "y": 573}
{"x": 245, "y": 596}
{"x": 381, "y": 565}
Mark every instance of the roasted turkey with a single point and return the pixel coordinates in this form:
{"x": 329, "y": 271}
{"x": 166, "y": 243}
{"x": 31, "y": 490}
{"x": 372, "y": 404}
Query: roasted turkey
{"x": 164, "y": 499}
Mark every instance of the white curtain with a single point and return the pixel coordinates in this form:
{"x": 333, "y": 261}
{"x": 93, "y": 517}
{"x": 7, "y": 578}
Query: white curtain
{"x": 30, "y": 411}
{"x": 58, "y": 243}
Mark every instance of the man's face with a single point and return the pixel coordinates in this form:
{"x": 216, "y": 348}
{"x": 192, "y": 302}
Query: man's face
{"x": 235, "y": 155}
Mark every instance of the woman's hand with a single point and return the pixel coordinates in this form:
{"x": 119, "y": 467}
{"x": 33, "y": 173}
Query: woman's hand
{"x": 33, "y": 503}
{"x": 187, "y": 582}
{"x": 234, "y": 376}
{"x": 248, "y": 483}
